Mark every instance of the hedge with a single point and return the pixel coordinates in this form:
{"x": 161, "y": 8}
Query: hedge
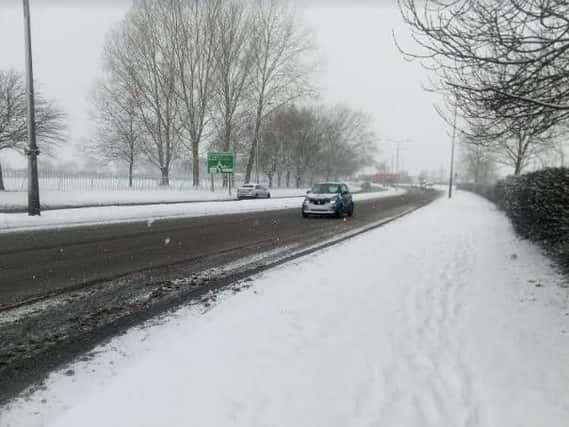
{"x": 538, "y": 205}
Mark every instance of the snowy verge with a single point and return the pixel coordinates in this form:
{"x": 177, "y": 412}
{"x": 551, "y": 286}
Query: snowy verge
{"x": 443, "y": 318}
{"x": 52, "y": 199}
{"x": 116, "y": 214}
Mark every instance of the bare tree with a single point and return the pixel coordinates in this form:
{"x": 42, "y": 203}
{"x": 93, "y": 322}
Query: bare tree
{"x": 118, "y": 125}
{"x": 292, "y": 136}
{"x": 521, "y": 148}
{"x": 140, "y": 55}
{"x": 349, "y": 143}
{"x": 314, "y": 142}
{"x": 234, "y": 61}
{"x": 272, "y": 153}
{"x": 477, "y": 162}
{"x": 502, "y": 63}
{"x": 517, "y": 148}
{"x": 280, "y": 69}
{"x": 192, "y": 26}
{"x": 50, "y": 119}
{"x": 508, "y": 57}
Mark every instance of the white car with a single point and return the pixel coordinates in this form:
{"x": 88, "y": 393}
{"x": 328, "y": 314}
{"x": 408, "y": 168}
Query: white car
{"x": 253, "y": 191}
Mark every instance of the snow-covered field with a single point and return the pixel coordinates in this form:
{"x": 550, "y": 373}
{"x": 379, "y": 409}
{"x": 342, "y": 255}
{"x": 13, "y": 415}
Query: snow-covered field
{"x": 107, "y": 214}
{"x": 53, "y": 199}
{"x": 443, "y": 318}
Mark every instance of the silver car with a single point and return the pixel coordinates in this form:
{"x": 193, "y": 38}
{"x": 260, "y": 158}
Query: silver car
{"x": 253, "y": 191}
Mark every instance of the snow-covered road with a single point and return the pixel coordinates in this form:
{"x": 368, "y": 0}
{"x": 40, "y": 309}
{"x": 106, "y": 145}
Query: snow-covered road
{"x": 443, "y": 318}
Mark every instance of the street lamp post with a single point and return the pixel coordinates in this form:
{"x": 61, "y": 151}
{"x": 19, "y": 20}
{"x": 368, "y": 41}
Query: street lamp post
{"x": 396, "y": 156}
{"x": 451, "y": 178}
{"x": 32, "y": 150}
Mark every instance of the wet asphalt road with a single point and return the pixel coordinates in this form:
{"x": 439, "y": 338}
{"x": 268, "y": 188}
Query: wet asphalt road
{"x": 41, "y": 263}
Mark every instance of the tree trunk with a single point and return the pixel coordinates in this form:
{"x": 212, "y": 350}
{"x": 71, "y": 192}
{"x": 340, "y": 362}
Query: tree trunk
{"x": 2, "y": 188}
{"x": 195, "y": 166}
{"x": 251, "y": 159}
{"x": 165, "y": 179}
{"x": 521, "y": 154}
{"x": 270, "y": 180}
{"x": 226, "y": 148}
{"x": 252, "y": 152}
{"x": 518, "y": 166}
{"x": 227, "y": 136}
{"x": 130, "y": 168}
{"x": 279, "y": 177}
{"x": 287, "y": 179}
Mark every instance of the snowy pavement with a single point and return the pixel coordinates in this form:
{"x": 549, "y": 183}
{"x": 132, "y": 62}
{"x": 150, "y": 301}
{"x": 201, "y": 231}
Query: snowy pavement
{"x": 442, "y": 318}
{"x": 115, "y": 214}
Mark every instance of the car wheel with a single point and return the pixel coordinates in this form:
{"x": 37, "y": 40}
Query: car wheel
{"x": 268, "y": 195}
{"x": 351, "y": 211}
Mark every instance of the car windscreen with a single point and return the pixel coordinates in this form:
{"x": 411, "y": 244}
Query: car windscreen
{"x": 325, "y": 188}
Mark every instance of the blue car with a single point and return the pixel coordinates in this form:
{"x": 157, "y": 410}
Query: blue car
{"x": 330, "y": 199}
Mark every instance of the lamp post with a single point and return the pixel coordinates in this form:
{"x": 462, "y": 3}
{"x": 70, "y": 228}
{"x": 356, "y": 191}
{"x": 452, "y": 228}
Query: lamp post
{"x": 451, "y": 179}
{"x": 395, "y": 158}
{"x": 32, "y": 150}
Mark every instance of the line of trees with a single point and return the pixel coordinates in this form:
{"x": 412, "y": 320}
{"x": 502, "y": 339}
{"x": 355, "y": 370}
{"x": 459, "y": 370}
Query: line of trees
{"x": 305, "y": 143}
{"x": 183, "y": 74}
{"x": 503, "y": 64}
{"x": 50, "y": 118}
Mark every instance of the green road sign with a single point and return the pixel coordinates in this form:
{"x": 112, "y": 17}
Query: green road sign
{"x": 220, "y": 162}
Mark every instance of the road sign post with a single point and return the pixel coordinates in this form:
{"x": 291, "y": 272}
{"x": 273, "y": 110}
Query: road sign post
{"x": 222, "y": 162}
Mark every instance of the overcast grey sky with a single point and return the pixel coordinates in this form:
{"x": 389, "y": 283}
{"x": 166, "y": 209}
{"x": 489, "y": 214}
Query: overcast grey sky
{"x": 361, "y": 67}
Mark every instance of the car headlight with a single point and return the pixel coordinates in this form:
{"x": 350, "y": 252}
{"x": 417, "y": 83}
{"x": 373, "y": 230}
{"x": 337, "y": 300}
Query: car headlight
{"x": 333, "y": 201}
{"x": 306, "y": 201}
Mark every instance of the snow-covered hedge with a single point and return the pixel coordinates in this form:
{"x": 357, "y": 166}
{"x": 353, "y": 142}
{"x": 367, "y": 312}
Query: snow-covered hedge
{"x": 538, "y": 205}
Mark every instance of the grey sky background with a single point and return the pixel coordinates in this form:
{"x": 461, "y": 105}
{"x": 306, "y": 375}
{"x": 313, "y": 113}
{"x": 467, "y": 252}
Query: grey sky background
{"x": 361, "y": 67}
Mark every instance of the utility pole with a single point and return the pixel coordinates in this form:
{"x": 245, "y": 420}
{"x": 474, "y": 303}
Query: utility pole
{"x": 451, "y": 179}
{"x": 397, "y": 161}
{"x": 32, "y": 150}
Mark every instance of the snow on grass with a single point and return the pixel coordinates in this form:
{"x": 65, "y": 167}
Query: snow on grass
{"x": 443, "y": 318}
{"x": 114, "y": 214}
{"x": 54, "y": 199}
{"x": 66, "y": 199}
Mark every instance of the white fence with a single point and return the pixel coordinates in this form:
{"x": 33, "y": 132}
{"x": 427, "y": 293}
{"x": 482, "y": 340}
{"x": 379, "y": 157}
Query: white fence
{"x": 17, "y": 180}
